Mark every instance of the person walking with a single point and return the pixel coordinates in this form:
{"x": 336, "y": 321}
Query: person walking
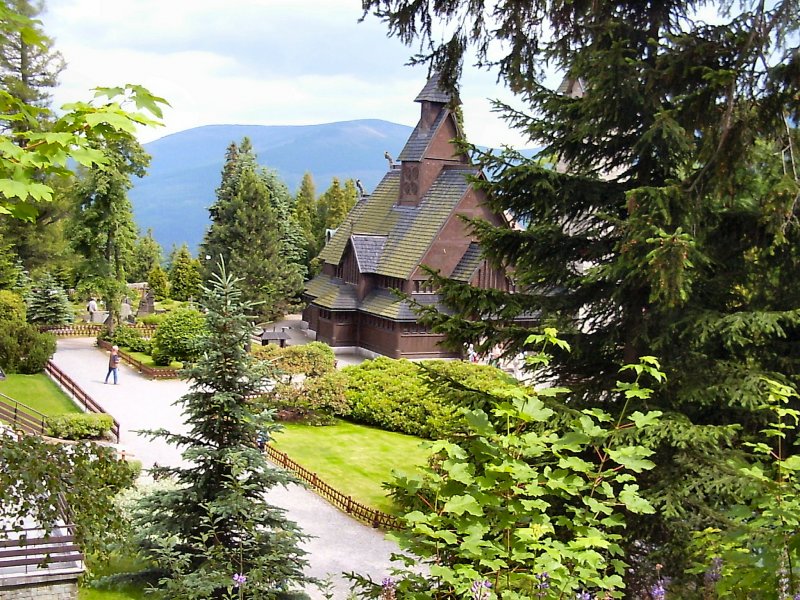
{"x": 113, "y": 363}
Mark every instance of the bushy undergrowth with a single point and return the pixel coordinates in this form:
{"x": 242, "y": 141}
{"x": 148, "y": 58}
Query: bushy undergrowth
{"x": 128, "y": 337}
{"x": 179, "y": 337}
{"x": 396, "y": 395}
{"x": 312, "y": 360}
{"x": 82, "y": 426}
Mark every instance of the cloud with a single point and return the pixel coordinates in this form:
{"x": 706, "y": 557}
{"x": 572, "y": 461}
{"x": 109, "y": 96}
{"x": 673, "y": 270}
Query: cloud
{"x": 267, "y": 62}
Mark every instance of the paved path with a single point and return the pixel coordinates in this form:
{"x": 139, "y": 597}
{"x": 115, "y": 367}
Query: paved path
{"x": 339, "y": 543}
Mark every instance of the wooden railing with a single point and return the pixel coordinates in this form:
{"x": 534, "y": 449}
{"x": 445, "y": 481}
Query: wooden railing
{"x": 92, "y": 329}
{"x": 22, "y": 417}
{"x": 363, "y": 513}
{"x": 35, "y": 550}
{"x": 146, "y": 370}
{"x": 72, "y": 388}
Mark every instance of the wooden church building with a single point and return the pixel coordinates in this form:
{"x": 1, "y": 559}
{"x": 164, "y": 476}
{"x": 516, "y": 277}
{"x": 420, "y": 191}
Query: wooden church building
{"x": 410, "y": 219}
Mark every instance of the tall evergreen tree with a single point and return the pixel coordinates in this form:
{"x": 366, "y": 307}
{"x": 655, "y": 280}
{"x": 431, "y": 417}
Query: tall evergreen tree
{"x": 666, "y": 221}
{"x": 184, "y": 275}
{"x": 305, "y": 208}
{"x": 333, "y": 206}
{"x": 29, "y": 67}
{"x": 147, "y": 254}
{"x": 246, "y": 231}
{"x": 216, "y": 522}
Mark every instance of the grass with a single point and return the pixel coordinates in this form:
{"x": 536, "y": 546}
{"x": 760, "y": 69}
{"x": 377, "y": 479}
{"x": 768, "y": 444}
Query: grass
{"x": 147, "y": 360}
{"x": 119, "y": 563}
{"x": 39, "y": 392}
{"x": 354, "y": 459}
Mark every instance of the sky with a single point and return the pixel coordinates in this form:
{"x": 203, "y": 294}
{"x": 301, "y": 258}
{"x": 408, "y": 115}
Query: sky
{"x": 255, "y": 62}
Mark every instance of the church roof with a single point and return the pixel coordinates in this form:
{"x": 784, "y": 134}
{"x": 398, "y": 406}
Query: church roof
{"x": 368, "y": 250}
{"x": 432, "y": 92}
{"x": 408, "y": 230}
{"x": 468, "y": 264}
{"x": 420, "y": 138}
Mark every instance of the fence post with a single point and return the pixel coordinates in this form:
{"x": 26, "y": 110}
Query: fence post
{"x": 349, "y": 507}
{"x": 314, "y": 480}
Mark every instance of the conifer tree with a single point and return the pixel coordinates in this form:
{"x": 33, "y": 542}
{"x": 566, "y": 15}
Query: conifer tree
{"x": 216, "y": 522}
{"x": 29, "y": 67}
{"x": 333, "y": 206}
{"x": 663, "y": 218}
{"x": 184, "y": 275}
{"x": 47, "y": 303}
{"x": 246, "y": 231}
{"x": 306, "y": 209}
{"x": 147, "y": 254}
{"x": 158, "y": 282}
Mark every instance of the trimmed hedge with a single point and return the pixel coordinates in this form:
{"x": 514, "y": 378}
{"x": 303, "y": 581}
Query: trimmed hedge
{"x": 313, "y": 360}
{"x": 82, "y": 426}
{"x": 422, "y": 399}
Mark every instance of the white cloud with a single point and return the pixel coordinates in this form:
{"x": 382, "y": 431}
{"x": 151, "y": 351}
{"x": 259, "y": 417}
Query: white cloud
{"x": 268, "y": 62}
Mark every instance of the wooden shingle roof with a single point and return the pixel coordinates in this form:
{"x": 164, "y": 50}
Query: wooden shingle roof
{"x": 432, "y": 92}
{"x": 420, "y": 139}
{"x": 468, "y": 264}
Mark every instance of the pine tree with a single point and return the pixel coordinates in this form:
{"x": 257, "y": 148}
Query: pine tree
{"x": 663, "y": 219}
{"x": 216, "y": 522}
{"x": 158, "y": 282}
{"x": 28, "y": 68}
{"x": 246, "y": 231}
{"x": 184, "y": 275}
{"x": 47, "y": 303}
{"x": 305, "y": 208}
{"x": 147, "y": 254}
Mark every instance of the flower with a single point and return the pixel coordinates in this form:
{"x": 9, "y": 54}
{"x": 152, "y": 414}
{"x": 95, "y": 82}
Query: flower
{"x": 388, "y": 587}
{"x": 714, "y": 572}
{"x": 480, "y": 589}
{"x": 239, "y": 579}
{"x": 583, "y": 596}
{"x": 657, "y": 592}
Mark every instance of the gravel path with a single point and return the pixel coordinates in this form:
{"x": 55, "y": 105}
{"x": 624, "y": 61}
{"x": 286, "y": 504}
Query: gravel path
{"x": 338, "y": 544}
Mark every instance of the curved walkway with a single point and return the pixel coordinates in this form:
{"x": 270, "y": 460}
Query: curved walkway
{"x": 338, "y": 544}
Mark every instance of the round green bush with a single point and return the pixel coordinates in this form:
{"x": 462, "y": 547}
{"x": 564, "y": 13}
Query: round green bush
{"x": 179, "y": 336}
{"x": 12, "y": 306}
{"x": 23, "y": 349}
{"x": 83, "y": 426}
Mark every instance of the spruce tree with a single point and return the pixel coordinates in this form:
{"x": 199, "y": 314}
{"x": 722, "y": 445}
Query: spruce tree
{"x": 662, "y": 219}
{"x": 216, "y": 522}
{"x": 28, "y": 68}
{"x": 247, "y": 231}
{"x": 184, "y": 275}
{"x": 47, "y": 303}
{"x": 147, "y": 254}
{"x": 158, "y": 282}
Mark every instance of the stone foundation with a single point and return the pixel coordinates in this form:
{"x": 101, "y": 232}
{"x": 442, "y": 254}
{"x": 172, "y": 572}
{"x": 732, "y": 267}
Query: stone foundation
{"x": 61, "y": 590}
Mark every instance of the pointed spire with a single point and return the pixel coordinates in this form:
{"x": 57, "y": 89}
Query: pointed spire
{"x": 432, "y": 92}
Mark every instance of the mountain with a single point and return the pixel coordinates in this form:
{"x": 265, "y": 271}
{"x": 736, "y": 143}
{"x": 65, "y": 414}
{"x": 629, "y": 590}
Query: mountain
{"x": 185, "y": 169}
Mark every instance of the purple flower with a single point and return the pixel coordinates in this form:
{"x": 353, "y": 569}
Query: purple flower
{"x": 714, "y": 573}
{"x": 388, "y": 587}
{"x": 657, "y": 592}
{"x": 480, "y": 589}
{"x": 239, "y": 579}
{"x": 543, "y": 580}
{"x": 583, "y": 596}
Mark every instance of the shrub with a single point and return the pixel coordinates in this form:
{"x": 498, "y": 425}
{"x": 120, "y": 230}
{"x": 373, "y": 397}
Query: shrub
{"x": 179, "y": 336}
{"x": 316, "y": 401}
{"x": 48, "y": 303}
{"x": 130, "y": 337}
{"x": 23, "y": 349}
{"x": 396, "y": 395}
{"x": 12, "y": 306}
{"x": 158, "y": 283}
{"x": 313, "y": 360}
{"x": 83, "y": 426}
{"x": 155, "y": 319}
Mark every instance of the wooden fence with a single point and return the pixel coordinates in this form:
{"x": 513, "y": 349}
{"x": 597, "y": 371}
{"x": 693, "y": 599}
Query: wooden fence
{"x": 34, "y": 550}
{"x": 92, "y": 329}
{"x": 363, "y": 513}
{"x": 147, "y": 371}
{"x": 21, "y": 416}
{"x": 80, "y": 396}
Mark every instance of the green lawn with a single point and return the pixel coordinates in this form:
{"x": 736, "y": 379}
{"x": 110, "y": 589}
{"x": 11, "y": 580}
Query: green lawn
{"x": 147, "y": 360}
{"x": 129, "y": 594}
{"x": 354, "y": 459}
{"x": 39, "y": 392}
{"x": 117, "y": 564}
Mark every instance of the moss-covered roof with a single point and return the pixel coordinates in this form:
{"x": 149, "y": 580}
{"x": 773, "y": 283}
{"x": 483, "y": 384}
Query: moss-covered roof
{"x": 468, "y": 264}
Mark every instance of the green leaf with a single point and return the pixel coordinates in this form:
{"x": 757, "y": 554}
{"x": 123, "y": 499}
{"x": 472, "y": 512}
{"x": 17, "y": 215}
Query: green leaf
{"x": 460, "y": 504}
{"x": 632, "y": 457}
{"x": 645, "y": 420}
{"x": 630, "y": 497}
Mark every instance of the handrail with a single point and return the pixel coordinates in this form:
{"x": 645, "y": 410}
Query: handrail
{"x": 21, "y": 416}
{"x": 69, "y": 386}
{"x": 370, "y": 516}
{"x": 35, "y": 549}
